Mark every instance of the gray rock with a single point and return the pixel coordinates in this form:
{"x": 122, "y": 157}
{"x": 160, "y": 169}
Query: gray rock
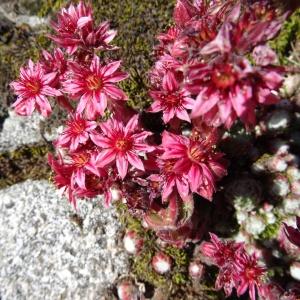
{"x": 19, "y": 13}
{"x": 18, "y": 131}
{"x": 45, "y": 255}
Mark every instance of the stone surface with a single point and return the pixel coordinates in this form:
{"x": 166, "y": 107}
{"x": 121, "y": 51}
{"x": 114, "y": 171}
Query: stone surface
{"x": 19, "y": 130}
{"x": 46, "y": 254}
{"x": 20, "y": 13}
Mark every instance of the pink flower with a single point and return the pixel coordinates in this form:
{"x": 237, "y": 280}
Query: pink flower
{"x": 196, "y": 270}
{"x": 231, "y": 89}
{"x": 66, "y": 181}
{"x": 197, "y": 159}
{"x": 244, "y": 29}
{"x": 77, "y": 132}
{"x": 69, "y": 23}
{"x": 172, "y": 100}
{"x": 248, "y": 275}
{"x": 170, "y": 180}
{"x": 223, "y": 254}
{"x": 84, "y": 163}
{"x": 122, "y": 144}
{"x": 100, "y": 37}
{"x": 219, "y": 252}
{"x": 225, "y": 279}
{"x": 62, "y": 178}
{"x": 33, "y": 87}
{"x": 127, "y": 290}
{"x": 184, "y": 11}
{"x": 222, "y": 93}
{"x": 74, "y": 28}
{"x": 166, "y": 40}
{"x": 95, "y": 185}
{"x": 237, "y": 268}
{"x": 264, "y": 55}
{"x": 95, "y": 86}
{"x": 55, "y": 62}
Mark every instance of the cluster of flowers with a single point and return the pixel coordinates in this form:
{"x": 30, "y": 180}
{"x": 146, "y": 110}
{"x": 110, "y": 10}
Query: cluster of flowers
{"x": 205, "y": 57}
{"x": 104, "y": 149}
{"x": 240, "y": 270}
{"x": 203, "y": 80}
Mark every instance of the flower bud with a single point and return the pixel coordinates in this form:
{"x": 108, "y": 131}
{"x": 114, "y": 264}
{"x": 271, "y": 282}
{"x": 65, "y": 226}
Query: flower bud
{"x": 127, "y": 290}
{"x": 116, "y": 194}
{"x": 132, "y": 242}
{"x": 196, "y": 270}
{"x": 161, "y": 263}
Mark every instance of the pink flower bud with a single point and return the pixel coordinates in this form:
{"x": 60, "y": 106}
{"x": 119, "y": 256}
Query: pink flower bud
{"x": 132, "y": 242}
{"x": 161, "y": 263}
{"x": 127, "y": 290}
{"x": 196, "y": 270}
{"x": 116, "y": 194}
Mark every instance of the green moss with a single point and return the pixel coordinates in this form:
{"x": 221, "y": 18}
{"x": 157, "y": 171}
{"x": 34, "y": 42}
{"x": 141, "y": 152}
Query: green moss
{"x": 287, "y": 37}
{"x": 50, "y": 6}
{"x": 27, "y": 162}
{"x": 141, "y": 266}
{"x": 271, "y": 230}
{"x": 179, "y": 256}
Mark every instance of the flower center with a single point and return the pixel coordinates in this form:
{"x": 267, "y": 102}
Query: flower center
{"x": 251, "y": 273}
{"x": 123, "y": 144}
{"x": 168, "y": 166}
{"x": 34, "y": 87}
{"x": 223, "y": 77}
{"x": 78, "y": 127}
{"x": 173, "y": 99}
{"x": 195, "y": 153}
{"x": 93, "y": 83}
{"x": 80, "y": 159}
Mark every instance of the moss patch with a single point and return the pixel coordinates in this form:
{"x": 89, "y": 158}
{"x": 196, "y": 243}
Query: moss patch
{"x": 141, "y": 265}
{"x": 287, "y": 37}
{"x": 271, "y": 230}
{"x": 28, "y": 162}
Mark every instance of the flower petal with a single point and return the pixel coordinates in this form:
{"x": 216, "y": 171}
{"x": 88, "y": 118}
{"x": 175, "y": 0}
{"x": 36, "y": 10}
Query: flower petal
{"x": 122, "y": 165}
